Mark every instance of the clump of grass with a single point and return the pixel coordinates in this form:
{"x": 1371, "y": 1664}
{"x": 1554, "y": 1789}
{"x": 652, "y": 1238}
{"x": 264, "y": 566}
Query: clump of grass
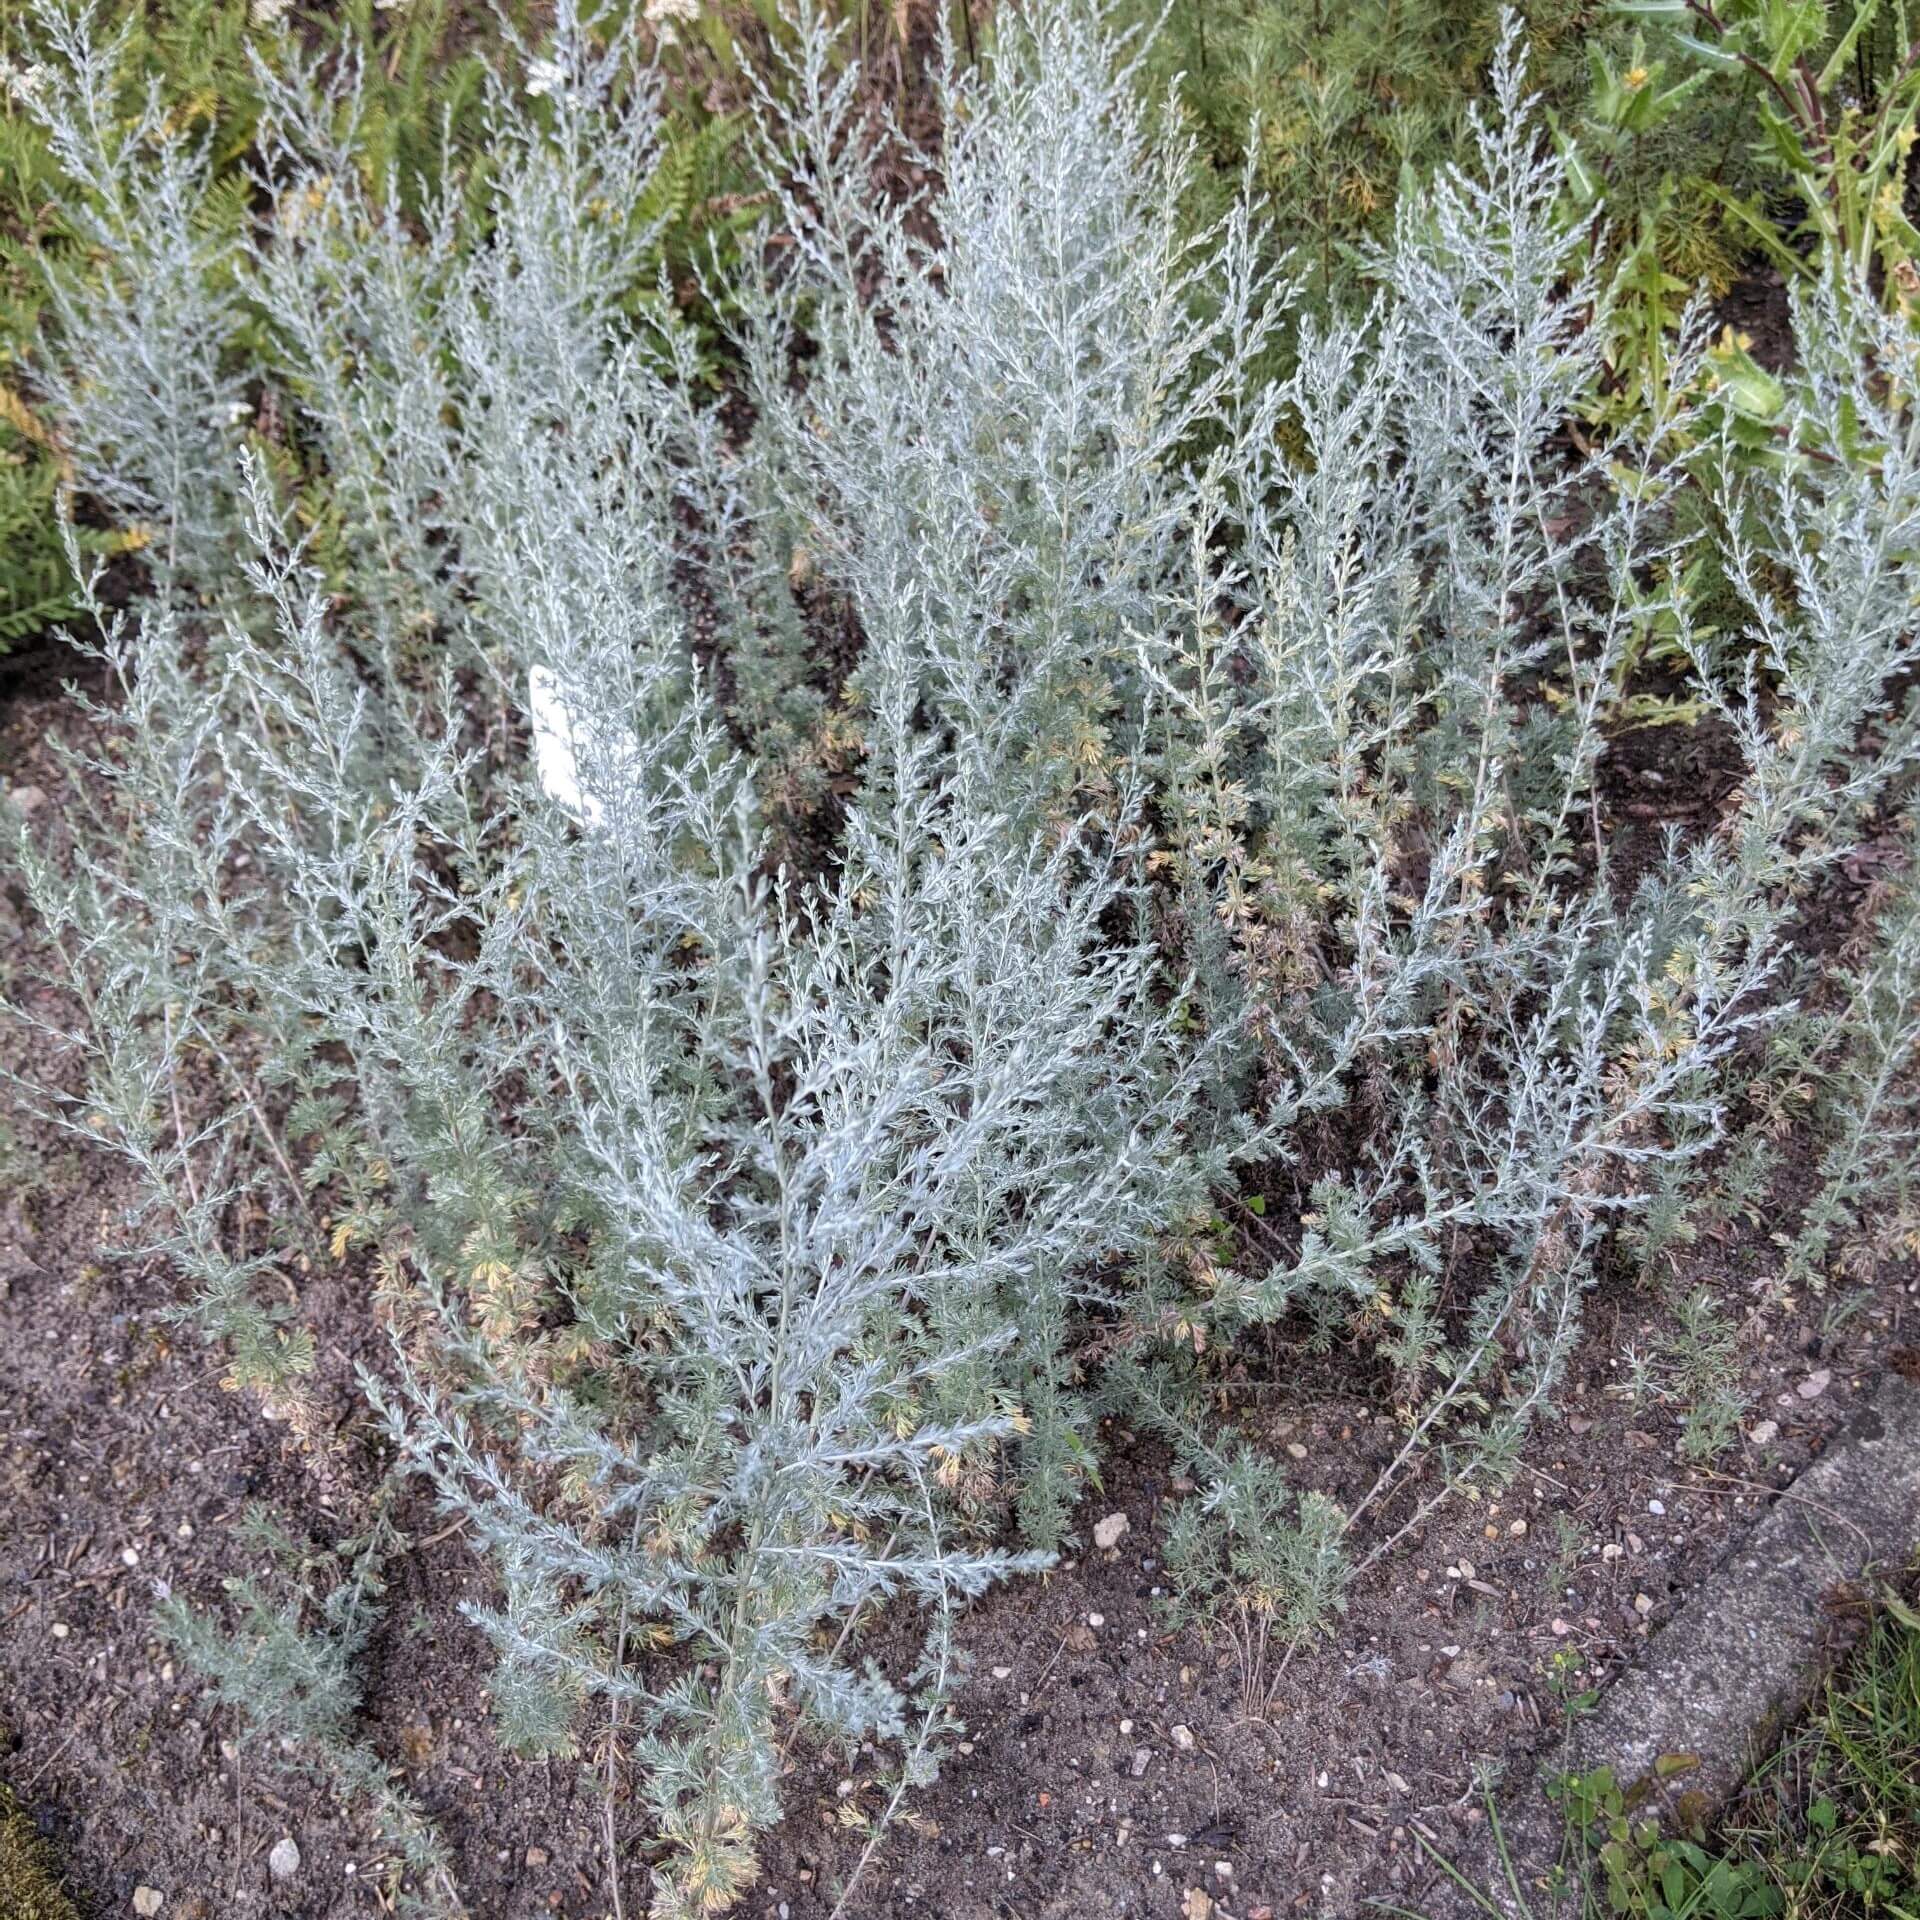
{"x": 1835, "y": 1817}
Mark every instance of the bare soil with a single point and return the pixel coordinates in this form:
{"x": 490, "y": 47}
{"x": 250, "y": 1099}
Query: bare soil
{"x": 1110, "y": 1768}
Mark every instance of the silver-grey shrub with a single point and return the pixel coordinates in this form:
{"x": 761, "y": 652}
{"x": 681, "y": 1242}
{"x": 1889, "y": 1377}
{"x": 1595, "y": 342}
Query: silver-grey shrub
{"x": 151, "y": 399}
{"x": 732, "y": 1225}
{"x": 751, "y": 1234}
{"x": 1362, "y": 629}
{"x": 1004, "y": 428}
{"x": 1857, "y": 1058}
{"x": 1379, "y": 696}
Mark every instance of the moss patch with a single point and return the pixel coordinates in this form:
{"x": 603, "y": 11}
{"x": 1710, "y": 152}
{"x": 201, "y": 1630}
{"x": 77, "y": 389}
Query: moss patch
{"x": 27, "y": 1889}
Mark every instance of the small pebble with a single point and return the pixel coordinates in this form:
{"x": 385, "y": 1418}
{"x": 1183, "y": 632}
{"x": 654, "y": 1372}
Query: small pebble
{"x": 1111, "y": 1531}
{"x": 1183, "y": 1738}
{"x": 147, "y": 1901}
{"x": 284, "y": 1861}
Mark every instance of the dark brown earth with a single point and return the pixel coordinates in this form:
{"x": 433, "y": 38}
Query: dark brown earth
{"x": 1109, "y": 1768}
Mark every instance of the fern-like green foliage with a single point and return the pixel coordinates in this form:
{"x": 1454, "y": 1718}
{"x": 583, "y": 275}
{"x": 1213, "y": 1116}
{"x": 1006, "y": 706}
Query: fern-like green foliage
{"x": 1335, "y": 106}
{"x": 1665, "y": 111}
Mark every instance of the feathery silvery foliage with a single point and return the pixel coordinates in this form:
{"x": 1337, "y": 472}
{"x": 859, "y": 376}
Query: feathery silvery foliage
{"x": 154, "y": 941}
{"x": 150, "y": 403}
{"x": 287, "y": 1667}
{"x": 1383, "y": 705}
{"x": 1249, "y": 1554}
{"x": 732, "y": 1224}
{"x": 741, "y": 1225}
{"x": 1389, "y": 838}
{"x": 1002, "y": 429}
{"x": 1857, "y": 1058}
{"x": 1820, "y": 551}
{"x": 817, "y": 1161}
